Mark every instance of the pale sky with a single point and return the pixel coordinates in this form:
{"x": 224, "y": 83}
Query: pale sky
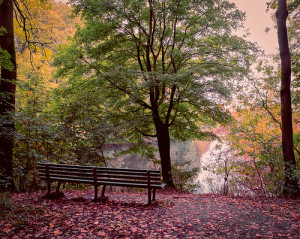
{"x": 257, "y": 21}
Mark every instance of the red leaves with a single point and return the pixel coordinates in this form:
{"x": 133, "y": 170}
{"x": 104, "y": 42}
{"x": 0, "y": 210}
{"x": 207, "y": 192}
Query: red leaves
{"x": 175, "y": 215}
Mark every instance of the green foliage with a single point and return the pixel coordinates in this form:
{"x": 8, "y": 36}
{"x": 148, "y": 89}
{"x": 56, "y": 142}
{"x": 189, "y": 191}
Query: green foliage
{"x": 34, "y": 142}
{"x": 39, "y": 135}
{"x": 4, "y": 55}
{"x": 293, "y": 35}
{"x": 127, "y": 66}
{"x": 5, "y": 61}
{"x": 182, "y": 170}
{"x": 183, "y": 176}
{"x": 2, "y": 30}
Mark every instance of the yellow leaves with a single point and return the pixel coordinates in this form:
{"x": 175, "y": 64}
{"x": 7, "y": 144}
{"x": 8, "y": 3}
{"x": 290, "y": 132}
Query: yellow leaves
{"x": 51, "y": 25}
{"x": 253, "y": 127}
{"x": 47, "y": 53}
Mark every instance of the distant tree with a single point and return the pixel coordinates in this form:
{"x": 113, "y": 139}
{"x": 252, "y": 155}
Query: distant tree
{"x": 160, "y": 68}
{"x": 7, "y": 93}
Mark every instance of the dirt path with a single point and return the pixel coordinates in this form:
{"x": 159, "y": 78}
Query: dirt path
{"x": 175, "y": 215}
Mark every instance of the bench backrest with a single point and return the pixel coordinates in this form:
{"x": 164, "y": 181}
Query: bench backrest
{"x": 88, "y": 174}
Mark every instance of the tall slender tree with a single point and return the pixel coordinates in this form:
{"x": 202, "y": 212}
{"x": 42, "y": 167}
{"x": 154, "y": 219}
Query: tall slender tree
{"x": 291, "y": 187}
{"x": 7, "y": 95}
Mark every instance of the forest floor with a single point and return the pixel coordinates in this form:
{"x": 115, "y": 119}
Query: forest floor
{"x": 126, "y": 215}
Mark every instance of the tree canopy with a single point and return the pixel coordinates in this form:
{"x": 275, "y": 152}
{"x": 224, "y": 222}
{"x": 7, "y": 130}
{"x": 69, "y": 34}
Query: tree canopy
{"x": 160, "y": 68}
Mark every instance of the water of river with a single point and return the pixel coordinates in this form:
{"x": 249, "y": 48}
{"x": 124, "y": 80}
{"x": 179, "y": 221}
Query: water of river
{"x": 207, "y": 179}
{"x": 199, "y": 153}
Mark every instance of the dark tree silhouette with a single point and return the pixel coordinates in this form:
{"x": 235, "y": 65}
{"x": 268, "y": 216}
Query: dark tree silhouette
{"x": 291, "y": 187}
{"x": 7, "y": 96}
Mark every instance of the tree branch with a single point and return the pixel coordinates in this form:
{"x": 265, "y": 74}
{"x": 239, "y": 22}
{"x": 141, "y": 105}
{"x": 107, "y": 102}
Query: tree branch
{"x": 265, "y": 105}
{"x": 146, "y": 135}
{"x": 140, "y": 102}
{"x": 171, "y": 104}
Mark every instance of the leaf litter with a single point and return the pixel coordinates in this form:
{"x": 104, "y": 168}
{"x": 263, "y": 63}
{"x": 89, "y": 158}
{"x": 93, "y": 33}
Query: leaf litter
{"x": 174, "y": 215}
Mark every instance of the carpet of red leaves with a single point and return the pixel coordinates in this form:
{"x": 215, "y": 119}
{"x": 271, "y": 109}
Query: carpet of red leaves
{"x": 126, "y": 215}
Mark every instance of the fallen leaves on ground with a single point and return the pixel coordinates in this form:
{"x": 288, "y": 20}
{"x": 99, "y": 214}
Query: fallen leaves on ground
{"x": 174, "y": 215}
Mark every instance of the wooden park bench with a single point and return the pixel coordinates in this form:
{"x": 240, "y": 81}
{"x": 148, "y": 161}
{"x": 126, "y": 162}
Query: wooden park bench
{"x": 97, "y": 176}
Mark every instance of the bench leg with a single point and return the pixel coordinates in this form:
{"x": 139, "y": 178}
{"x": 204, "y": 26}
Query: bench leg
{"x": 153, "y": 194}
{"x": 149, "y": 195}
{"x": 103, "y": 191}
{"x": 58, "y": 186}
{"x": 96, "y": 193}
{"x": 49, "y": 187}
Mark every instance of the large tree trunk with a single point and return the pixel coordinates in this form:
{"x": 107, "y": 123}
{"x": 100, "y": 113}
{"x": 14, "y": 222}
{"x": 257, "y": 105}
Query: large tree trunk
{"x": 7, "y": 98}
{"x": 163, "y": 139}
{"x": 291, "y": 187}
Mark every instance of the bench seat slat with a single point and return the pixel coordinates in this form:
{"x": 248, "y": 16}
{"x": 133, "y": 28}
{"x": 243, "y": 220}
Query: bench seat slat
{"x": 83, "y": 170}
{"x": 80, "y": 174}
{"x": 127, "y": 181}
{"x": 112, "y": 174}
{"x": 126, "y": 173}
{"x": 108, "y": 182}
{"x": 66, "y": 166}
{"x": 99, "y": 172}
{"x": 54, "y": 165}
{"x": 72, "y": 180}
{"x": 138, "y": 185}
{"x": 90, "y": 175}
{"x": 67, "y": 176}
{"x": 126, "y": 170}
{"x": 127, "y": 177}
